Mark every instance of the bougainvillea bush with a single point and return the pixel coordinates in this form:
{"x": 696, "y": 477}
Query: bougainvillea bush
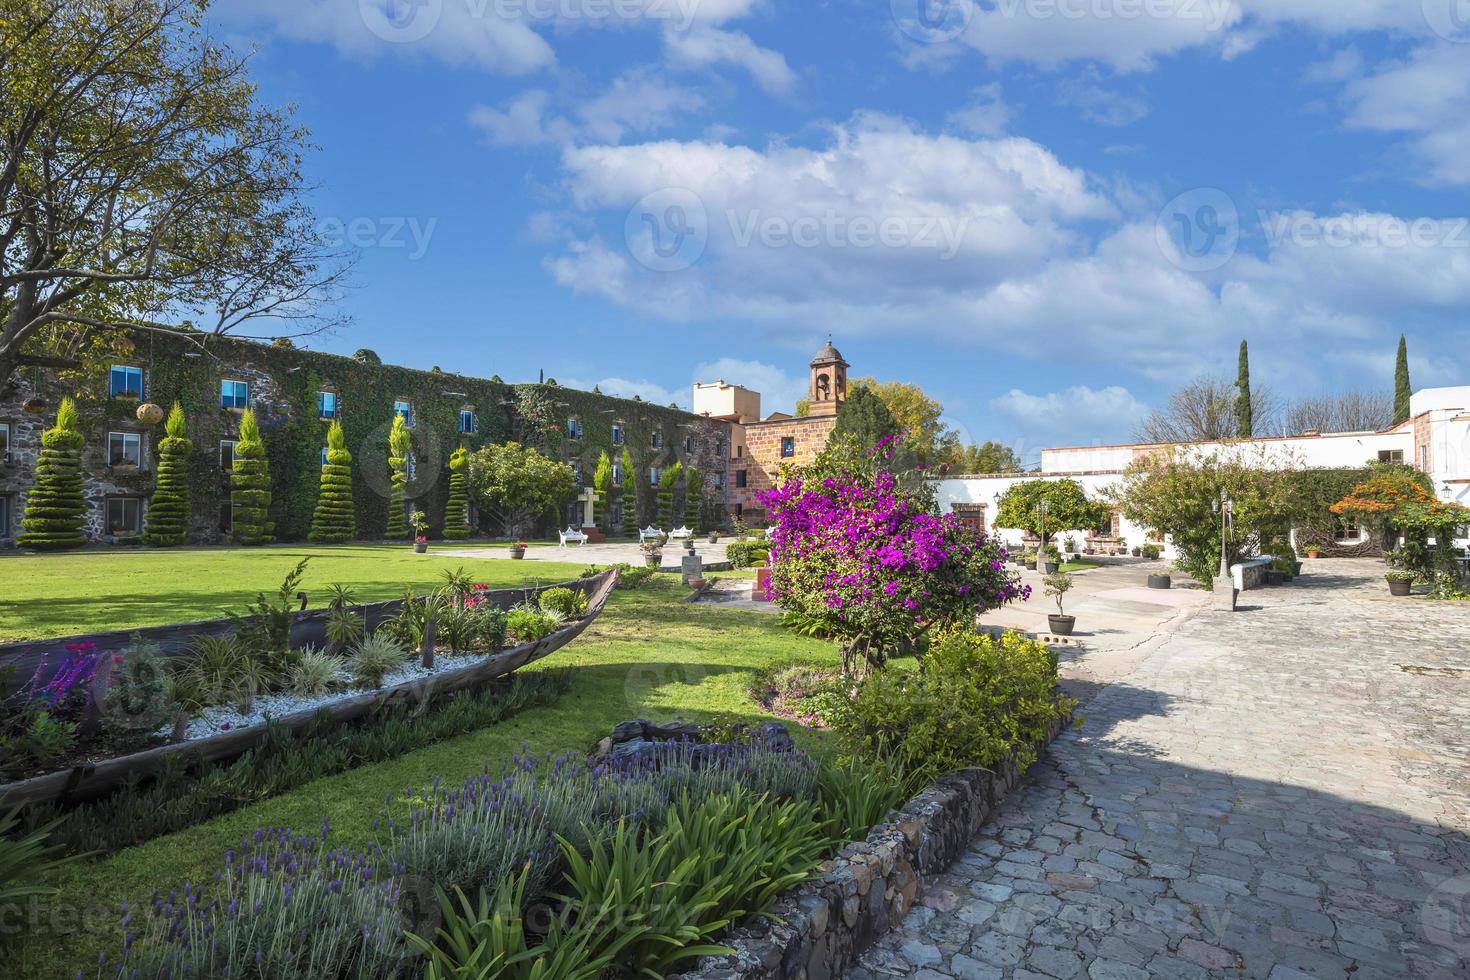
{"x": 857, "y": 556}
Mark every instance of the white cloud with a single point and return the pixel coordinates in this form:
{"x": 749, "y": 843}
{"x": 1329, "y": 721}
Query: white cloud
{"x": 704, "y": 46}
{"x": 1100, "y": 103}
{"x": 779, "y": 390}
{"x": 636, "y": 102}
{"x": 1425, "y": 97}
{"x": 521, "y": 120}
{"x": 986, "y": 115}
{"x": 649, "y": 391}
{"x": 1078, "y": 412}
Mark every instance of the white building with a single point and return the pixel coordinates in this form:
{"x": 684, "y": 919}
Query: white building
{"x": 1435, "y": 439}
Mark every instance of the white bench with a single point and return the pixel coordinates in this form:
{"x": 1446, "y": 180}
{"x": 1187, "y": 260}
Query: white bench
{"x": 681, "y": 532}
{"x": 649, "y": 532}
{"x": 571, "y": 534}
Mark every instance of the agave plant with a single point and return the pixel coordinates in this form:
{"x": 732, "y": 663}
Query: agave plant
{"x": 375, "y": 657}
{"x": 316, "y": 672}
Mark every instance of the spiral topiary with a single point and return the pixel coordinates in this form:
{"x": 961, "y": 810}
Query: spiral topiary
{"x": 630, "y": 495}
{"x": 693, "y": 499}
{"x": 456, "y": 509}
{"x": 399, "y": 444}
{"x": 168, "y": 511}
{"x": 55, "y": 505}
{"x": 335, "y": 519}
{"x": 250, "y": 486}
{"x": 666, "y": 483}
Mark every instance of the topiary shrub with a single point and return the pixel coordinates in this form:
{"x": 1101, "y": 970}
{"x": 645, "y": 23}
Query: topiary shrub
{"x": 55, "y": 505}
{"x": 168, "y": 511}
{"x": 335, "y": 519}
{"x": 564, "y": 601}
{"x": 693, "y": 497}
{"x": 666, "y": 482}
{"x": 399, "y": 445}
{"x": 456, "y": 509}
{"x": 250, "y": 486}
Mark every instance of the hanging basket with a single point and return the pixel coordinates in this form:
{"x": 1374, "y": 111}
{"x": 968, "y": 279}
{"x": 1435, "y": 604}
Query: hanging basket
{"x": 35, "y": 406}
{"x": 150, "y": 414}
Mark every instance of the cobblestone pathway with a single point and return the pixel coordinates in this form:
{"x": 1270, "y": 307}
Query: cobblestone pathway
{"x": 1270, "y": 794}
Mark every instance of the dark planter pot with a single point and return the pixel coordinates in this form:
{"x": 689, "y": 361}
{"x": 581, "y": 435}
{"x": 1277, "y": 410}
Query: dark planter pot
{"x": 1061, "y": 625}
{"x": 420, "y": 547}
{"x": 1051, "y": 567}
{"x": 1274, "y": 577}
{"x": 1296, "y": 569}
{"x": 654, "y": 561}
{"x": 518, "y": 552}
{"x": 1160, "y": 582}
{"x": 1399, "y": 588}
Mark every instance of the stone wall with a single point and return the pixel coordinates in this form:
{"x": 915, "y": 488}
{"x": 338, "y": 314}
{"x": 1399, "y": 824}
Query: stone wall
{"x": 820, "y": 928}
{"x": 763, "y": 460}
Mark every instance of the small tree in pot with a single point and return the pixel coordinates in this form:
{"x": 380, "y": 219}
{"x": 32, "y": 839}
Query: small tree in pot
{"x": 1057, "y": 585}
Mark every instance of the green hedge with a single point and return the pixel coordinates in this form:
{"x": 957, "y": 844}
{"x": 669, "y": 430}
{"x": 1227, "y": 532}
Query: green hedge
{"x": 168, "y": 511}
{"x": 334, "y": 520}
{"x": 56, "y": 504}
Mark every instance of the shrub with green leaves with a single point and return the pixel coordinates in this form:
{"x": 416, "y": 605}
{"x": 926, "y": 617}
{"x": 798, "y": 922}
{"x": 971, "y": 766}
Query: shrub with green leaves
{"x": 976, "y": 701}
{"x": 138, "y": 698}
{"x": 693, "y": 499}
{"x": 400, "y": 444}
{"x": 220, "y": 670}
{"x": 250, "y": 486}
{"x": 26, "y": 858}
{"x": 745, "y": 553}
{"x": 335, "y": 517}
{"x": 56, "y": 504}
{"x": 630, "y": 577}
{"x": 667, "y": 481}
{"x": 854, "y": 795}
{"x": 567, "y": 602}
{"x": 456, "y": 508}
{"x": 168, "y": 511}
{"x": 375, "y": 657}
{"x": 315, "y": 672}
{"x": 527, "y": 623}
{"x": 47, "y": 739}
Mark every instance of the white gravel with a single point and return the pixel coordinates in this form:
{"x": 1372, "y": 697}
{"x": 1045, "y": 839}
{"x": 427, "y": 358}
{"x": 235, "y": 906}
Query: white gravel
{"x": 227, "y": 718}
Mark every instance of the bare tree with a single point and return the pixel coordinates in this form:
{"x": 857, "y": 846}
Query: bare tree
{"x": 1348, "y": 411}
{"x": 142, "y": 186}
{"x": 1204, "y": 411}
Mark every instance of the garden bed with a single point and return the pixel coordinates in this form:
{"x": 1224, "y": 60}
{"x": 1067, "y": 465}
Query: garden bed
{"x": 207, "y": 742}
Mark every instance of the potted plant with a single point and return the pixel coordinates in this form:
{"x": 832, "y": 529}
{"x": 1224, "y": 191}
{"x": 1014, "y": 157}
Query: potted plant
{"x": 1058, "y": 584}
{"x": 653, "y": 552}
{"x": 1160, "y": 581}
{"x": 714, "y": 537}
{"x": 419, "y": 521}
{"x": 697, "y": 584}
{"x": 1053, "y": 561}
{"x": 1400, "y": 580}
{"x": 1313, "y": 551}
{"x": 518, "y": 550}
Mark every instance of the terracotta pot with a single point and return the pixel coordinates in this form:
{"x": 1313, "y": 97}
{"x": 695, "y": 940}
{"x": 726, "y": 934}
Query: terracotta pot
{"x": 1061, "y": 625}
{"x": 697, "y": 584}
{"x": 1313, "y": 553}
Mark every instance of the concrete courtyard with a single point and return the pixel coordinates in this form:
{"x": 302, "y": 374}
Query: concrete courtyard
{"x": 1282, "y": 792}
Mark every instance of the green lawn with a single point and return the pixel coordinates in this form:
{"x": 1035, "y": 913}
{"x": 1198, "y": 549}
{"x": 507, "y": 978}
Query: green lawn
{"x": 1079, "y": 566}
{"x": 92, "y": 591}
{"x": 649, "y": 655}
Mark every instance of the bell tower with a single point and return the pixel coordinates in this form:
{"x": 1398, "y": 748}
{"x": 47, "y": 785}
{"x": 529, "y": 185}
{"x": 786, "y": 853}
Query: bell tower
{"x": 829, "y": 381}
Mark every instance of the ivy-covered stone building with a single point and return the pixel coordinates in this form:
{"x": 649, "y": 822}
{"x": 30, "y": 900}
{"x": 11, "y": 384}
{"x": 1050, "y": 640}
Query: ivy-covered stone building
{"x": 296, "y": 394}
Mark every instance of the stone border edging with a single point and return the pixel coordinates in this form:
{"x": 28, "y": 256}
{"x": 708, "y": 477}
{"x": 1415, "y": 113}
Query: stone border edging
{"x": 817, "y": 930}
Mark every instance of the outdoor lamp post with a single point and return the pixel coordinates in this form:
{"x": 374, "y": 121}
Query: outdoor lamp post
{"x": 1041, "y": 549}
{"x": 1223, "y": 506}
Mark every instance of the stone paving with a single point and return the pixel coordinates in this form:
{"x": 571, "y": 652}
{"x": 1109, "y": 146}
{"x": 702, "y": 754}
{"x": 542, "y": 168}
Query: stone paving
{"x": 1280, "y": 793}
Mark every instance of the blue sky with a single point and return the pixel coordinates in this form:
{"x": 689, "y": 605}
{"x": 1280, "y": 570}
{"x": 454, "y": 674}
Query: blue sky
{"x": 1048, "y": 213}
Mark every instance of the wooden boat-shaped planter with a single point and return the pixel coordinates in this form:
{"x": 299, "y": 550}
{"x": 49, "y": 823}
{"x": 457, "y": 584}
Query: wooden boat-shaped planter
{"x": 84, "y": 782}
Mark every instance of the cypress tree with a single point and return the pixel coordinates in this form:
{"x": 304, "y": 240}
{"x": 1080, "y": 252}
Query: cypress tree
{"x": 1401, "y": 389}
{"x": 250, "y": 486}
{"x": 865, "y": 417}
{"x": 399, "y": 444}
{"x": 693, "y": 498}
{"x": 666, "y": 483}
{"x": 54, "y": 506}
{"x": 456, "y": 510}
{"x": 1244, "y": 422}
{"x": 168, "y": 511}
{"x": 335, "y": 519}
{"x": 602, "y": 484}
{"x": 630, "y": 495}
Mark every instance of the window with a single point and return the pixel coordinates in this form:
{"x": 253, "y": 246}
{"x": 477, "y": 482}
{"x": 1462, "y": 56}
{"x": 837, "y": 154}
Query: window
{"x": 234, "y": 394}
{"x": 574, "y": 429}
{"x": 617, "y": 433}
{"x": 5, "y": 444}
{"x": 617, "y": 474}
{"x": 741, "y": 479}
{"x": 653, "y": 475}
{"x": 656, "y": 441}
{"x": 124, "y": 515}
{"x": 125, "y": 382}
{"x": 468, "y": 425}
{"x": 1424, "y": 458}
{"x": 227, "y": 453}
{"x": 324, "y": 455}
{"x": 689, "y": 445}
{"x": 326, "y": 404}
{"x": 739, "y": 452}
{"x": 124, "y": 449}
{"x": 577, "y": 471}
{"x": 1390, "y": 455}
{"x": 788, "y": 447}
{"x": 1347, "y": 532}
{"x": 4, "y": 516}
{"x": 404, "y": 410}
{"x": 719, "y": 481}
